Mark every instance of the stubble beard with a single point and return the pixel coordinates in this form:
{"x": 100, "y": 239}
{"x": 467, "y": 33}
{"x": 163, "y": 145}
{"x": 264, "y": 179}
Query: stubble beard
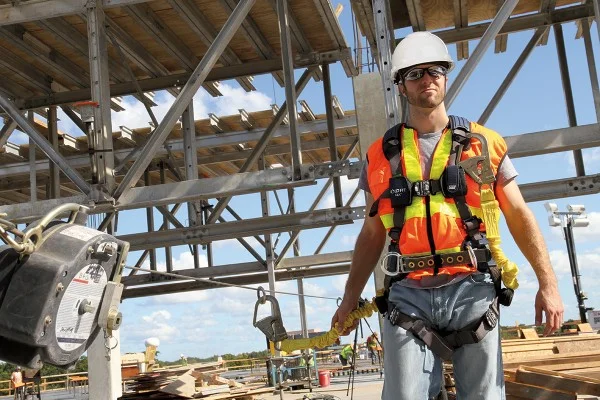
{"x": 422, "y": 100}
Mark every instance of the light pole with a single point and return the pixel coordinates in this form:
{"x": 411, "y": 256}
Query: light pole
{"x": 574, "y": 217}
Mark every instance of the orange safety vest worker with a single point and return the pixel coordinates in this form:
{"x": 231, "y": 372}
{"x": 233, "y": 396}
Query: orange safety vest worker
{"x": 432, "y": 224}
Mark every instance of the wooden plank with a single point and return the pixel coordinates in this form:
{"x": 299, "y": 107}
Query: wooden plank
{"x": 537, "y": 393}
{"x": 528, "y": 333}
{"x": 557, "y": 381}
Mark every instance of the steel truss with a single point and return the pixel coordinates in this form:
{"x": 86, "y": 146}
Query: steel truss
{"x": 109, "y": 178}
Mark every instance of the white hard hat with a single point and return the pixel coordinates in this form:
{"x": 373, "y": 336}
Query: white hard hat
{"x": 420, "y": 48}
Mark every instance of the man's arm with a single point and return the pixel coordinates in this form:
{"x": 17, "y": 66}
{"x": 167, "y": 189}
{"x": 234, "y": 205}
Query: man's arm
{"x": 367, "y": 250}
{"x": 526, "y": 232}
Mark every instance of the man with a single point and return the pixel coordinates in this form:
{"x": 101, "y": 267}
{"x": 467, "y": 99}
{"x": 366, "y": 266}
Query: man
{"x": 429, "y": 229}
{"x": 346, "y": 355}
{"x": 372, "y": 345}
{"x": 17, "y": 383}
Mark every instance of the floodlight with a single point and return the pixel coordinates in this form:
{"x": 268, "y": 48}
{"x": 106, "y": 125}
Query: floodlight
{"x": 551, "y": 207}
{"x": 576, "y": 208}
{"x": 553, "y": 220}
{"x": 580, "y": 221}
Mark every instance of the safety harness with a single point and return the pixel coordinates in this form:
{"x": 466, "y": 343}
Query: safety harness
{"x": 475, "y": 249}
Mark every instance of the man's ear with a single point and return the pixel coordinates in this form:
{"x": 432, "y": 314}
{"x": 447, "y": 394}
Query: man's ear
{"x": 402, "y": 89}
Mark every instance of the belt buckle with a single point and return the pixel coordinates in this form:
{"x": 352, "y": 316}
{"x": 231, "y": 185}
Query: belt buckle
{"x": 399, "y": 264}
{"x": 422, "y": 188}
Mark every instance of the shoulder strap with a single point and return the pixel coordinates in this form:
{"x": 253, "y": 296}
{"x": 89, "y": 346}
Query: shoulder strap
{"x": 461, "y": 140}
{"x": 392, "y": 146}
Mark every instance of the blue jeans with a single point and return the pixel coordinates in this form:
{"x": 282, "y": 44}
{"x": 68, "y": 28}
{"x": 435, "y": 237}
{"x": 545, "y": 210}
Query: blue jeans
{"x": 413, "y": 372}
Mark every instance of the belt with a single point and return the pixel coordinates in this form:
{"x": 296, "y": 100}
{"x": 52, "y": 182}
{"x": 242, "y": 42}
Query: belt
{"x": 407, "y": 264}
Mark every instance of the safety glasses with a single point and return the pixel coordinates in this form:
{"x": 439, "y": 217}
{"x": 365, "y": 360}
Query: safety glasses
{"x": 417, "y": 73}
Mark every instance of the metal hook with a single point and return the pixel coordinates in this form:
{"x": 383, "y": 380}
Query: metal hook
{"x": 338, "y": 301}
{"x": 263, "y": 297}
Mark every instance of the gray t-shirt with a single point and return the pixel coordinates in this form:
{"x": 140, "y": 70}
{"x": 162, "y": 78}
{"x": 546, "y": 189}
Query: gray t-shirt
{"x": 427, "y": 144}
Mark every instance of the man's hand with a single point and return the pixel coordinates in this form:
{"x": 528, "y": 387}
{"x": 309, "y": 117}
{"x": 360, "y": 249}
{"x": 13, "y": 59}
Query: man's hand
{"x": 548, "y": 301}
{"x": 340, "y": 316}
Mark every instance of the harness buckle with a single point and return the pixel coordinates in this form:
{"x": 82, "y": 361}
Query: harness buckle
{"x": 472, "y": 256}
{"x": 491, "y": 317}
{"x": 422, "y": 188}
{"x": 392, "y": 264}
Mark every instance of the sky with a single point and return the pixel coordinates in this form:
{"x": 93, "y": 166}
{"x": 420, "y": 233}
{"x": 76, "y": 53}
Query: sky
{"x": 214, "y": 322}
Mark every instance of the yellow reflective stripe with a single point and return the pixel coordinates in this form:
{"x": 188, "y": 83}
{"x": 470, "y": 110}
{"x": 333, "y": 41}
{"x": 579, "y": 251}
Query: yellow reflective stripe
{"x": 410, "y": 155}
{"x": 438, "y": 251}
{"x": 388, "y": 220}
{"x": 438, "y": 205}
{"x": 441, "y": 155}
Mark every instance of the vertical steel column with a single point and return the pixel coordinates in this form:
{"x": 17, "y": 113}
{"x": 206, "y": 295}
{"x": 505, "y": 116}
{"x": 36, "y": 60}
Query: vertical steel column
{"x": 384, "y": 47}
{"x": 597, "y": 15}
{"x": 511, "y": 75}
{"x": 100, "y": 87}
{"x": 589, "y": 52}
{"x": 299, "y": 281}
{"x": 488, "y": 37}
{"x": 337, "y": 187}
{"x": 54, "y": 171}
{"x": 269, "y": 253}
{"x": 190, "y": 157}
{"x": 566, "y": 83}
{"x": 32, "y": 167}
{"x": 290, "y": 92}
{"x": 150, "y": 222}
{"x": 165, "y": 224}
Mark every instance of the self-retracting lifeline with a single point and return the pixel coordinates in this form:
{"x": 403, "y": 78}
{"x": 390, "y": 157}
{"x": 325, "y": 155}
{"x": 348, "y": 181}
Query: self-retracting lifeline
{"x": 59, "y": 288}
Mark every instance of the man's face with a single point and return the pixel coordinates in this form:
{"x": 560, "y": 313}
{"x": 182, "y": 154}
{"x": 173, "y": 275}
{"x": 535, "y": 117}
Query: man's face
{"x": 425, "y": 92}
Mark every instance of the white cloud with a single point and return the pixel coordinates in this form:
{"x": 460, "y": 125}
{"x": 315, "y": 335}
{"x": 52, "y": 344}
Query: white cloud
{"x": 348, "y": 187}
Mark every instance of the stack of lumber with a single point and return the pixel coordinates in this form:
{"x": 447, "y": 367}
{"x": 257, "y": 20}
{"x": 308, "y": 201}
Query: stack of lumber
{"x": 557, "y": 367}
{"x": 190, "y": 382}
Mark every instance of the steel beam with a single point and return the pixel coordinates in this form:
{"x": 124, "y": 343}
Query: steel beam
{"x": 207, "y": 142}
{"x": 170, "y": 81}
{"x": 568, "y": 91}
{"x": 290, "y": 94}
{"x": 284, "y": 275}
{"x": 262, "y": 143}
{"x": 101, "y": 136}
{"x": 32, "y": 168}
{"x": 244, "y": 228}
{"x": 482, "y": 46}
{"x": 189, "y": 12}
{"x": 34, "y": 10}
{"x": 537, "y": 35}
{"x": 333, "y": 156}
{"x": 7, "y": 130}
{"x": 591, "y": 61}
{"x": 54, "y": 192}
{"x": 75, "y": 118}
{"x": 44, "y": 146}
{"x": 517, "y": 24}
{"x": 561, "y": 188}
{"x": 150, "y": 223}
{"x": 185, "y": 97}
{"x": 385, "y": 38}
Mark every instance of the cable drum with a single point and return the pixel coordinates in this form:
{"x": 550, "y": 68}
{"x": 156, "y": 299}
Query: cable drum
{"x": 52, "y": 300}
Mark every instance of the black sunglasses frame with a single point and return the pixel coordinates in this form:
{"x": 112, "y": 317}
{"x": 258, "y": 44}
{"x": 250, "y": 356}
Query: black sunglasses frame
{"x": 435, "y": 71}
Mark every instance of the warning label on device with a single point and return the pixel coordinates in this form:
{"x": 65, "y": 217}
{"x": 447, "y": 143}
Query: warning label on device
{"x": 79, "y": 307}
{"x": 80, "y": 232}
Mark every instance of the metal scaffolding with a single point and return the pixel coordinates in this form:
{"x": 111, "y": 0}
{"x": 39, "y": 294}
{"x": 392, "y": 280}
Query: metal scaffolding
{"x": 57, "y": 53}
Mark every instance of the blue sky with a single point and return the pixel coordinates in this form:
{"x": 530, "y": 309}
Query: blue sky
{"x": 219, "y": 321}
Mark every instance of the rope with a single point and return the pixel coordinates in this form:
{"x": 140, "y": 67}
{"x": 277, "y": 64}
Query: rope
{"x": 218, "y": 283}
{"x": 330, "y": 337}
{"x": 491, "y": 216}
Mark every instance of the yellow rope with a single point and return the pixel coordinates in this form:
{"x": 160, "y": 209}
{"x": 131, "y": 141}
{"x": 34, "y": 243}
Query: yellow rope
{"x": 491, "y": 216}
{"x": 329, "y": 338}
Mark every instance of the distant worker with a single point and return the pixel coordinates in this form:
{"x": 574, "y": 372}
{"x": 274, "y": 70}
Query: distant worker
{"x": 374, "y": 348}
{"x": 424, "y": 181}
{"x": 346, "y": 355}
{"x": 16, "y": 380}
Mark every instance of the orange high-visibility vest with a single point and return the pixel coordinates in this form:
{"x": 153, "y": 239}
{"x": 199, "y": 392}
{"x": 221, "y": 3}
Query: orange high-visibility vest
{"x": 441, "y": 214}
